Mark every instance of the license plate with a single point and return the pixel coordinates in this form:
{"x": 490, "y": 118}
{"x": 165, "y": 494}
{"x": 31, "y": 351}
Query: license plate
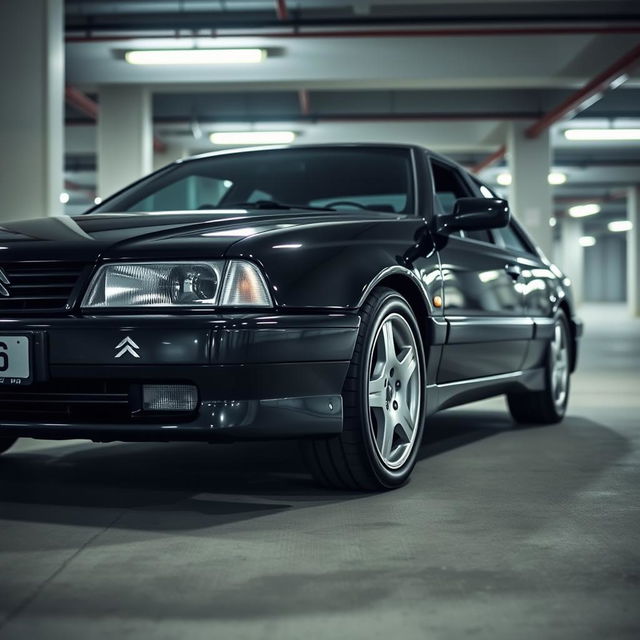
{"x": 15, "y": 360}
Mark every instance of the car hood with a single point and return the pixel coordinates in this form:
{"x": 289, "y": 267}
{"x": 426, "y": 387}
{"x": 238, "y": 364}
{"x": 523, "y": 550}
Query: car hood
{"x": 167, "y": 234}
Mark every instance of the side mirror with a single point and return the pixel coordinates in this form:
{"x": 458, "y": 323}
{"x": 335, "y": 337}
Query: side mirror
{"x": 470, "y": 214}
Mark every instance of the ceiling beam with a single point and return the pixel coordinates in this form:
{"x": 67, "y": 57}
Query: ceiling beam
{"x": 365, "y": 33}
{"x": 612, "y": 77}
{"x": 316, "y": 118}
{"x": 83, "y": 103}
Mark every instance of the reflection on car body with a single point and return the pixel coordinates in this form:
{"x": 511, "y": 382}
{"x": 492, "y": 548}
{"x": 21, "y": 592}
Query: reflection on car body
{"x": 335, "y": 294}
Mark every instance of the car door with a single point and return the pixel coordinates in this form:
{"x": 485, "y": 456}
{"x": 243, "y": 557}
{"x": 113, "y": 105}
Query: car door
{"x": 538, "y": 284}
{"x": 488, "y": 330}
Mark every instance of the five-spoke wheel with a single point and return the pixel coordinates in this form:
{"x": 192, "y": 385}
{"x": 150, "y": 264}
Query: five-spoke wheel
{"x": 394, "y": 391}
{"x": 383, "y": 400}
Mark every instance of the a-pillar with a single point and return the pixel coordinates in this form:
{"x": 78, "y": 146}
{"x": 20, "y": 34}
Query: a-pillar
{"x": 571, "y": 260}
{"x": 125, "y": 137}
{"x": 531, "y": 199}
{"x": 31, "y": 108}
{"x": 633, "y": 247}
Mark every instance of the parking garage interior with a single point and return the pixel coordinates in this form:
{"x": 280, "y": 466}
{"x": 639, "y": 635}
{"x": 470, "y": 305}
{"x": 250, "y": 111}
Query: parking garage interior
{"x": 502, "y": 532}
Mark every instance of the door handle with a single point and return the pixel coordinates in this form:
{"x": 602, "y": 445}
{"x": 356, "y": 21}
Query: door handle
{"x": 514, "y": 270}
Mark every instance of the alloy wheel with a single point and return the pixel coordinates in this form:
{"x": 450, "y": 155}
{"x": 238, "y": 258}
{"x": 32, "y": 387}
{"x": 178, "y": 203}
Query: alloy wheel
{"x": 559, "y": 365}
{"x": 395, "y": 388}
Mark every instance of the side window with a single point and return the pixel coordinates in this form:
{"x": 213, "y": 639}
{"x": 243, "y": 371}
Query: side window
{"x": 511, "y": 239}
{"x": 484, "y": 235}
{"x": 448, "y": 186}
{"x": 481, "y": 235}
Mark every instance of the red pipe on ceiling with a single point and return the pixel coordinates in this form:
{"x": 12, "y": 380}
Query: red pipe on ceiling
{"x": 304, "y": 102}
{"x": 281, "y": 10}
{"x": 578, "y": 100}
{"x": 490, "y": 159}
{"x": 374, "y": 33}
{"x": 83, "y": 103}
{"x": 601, "y": 83}
{"x": 74, "y": 186}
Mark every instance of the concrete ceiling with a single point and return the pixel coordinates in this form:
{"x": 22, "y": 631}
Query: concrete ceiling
{"x": 445, "y": 74}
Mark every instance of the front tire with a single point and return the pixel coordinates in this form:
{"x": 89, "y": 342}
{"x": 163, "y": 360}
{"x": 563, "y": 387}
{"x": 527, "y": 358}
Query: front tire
{"x": 6, "y": 444}
{"x": 384, "y": 403}
{"x": 549, "y": 405}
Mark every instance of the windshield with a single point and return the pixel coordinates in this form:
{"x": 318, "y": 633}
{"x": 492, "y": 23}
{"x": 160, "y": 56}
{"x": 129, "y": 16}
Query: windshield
{"x": 373, "y": 178}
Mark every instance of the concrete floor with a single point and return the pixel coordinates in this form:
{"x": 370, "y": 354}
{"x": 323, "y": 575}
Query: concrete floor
{"x": 502, "y": 533}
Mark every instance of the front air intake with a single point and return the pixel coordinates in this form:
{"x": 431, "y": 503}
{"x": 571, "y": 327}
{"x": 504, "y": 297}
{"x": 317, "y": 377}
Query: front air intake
{"x": 38, "y": 285}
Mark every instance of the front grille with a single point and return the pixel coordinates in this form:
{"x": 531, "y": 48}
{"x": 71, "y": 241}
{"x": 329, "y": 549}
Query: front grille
{"x": 42, "y": 285}
{"x": 92, "y": 401}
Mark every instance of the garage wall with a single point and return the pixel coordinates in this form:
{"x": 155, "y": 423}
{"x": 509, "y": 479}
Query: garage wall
{"x": 605, "y": 270}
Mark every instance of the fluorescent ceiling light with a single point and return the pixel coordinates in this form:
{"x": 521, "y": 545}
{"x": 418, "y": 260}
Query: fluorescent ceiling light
{"x": 252, "y": 137}
{"x": 557, "y": 177}
{"x": 602, "y": 134}
{"x": 195, "y": 56}
{"x": 620, "y": 225}
{"x": 503, "y": 179}
{"x": 587, "y": 241}
{"x": 552, "y": 222}
{"x": 583, "y": 210}
{"x": 64, "y": 197}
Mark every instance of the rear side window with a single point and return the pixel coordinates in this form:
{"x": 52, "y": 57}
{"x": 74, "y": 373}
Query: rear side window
{"x": 511, "y": 238}
{"x": 448, "y": 187}
{"x": 481, "y": 235}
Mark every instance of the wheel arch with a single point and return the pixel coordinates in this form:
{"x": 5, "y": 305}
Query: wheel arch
{"x": 566, "y": 308}
{"x": 404, "y": 282}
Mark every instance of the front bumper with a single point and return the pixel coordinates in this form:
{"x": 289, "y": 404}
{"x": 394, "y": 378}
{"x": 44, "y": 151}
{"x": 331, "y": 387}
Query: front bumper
{"x": 258, "y": 376}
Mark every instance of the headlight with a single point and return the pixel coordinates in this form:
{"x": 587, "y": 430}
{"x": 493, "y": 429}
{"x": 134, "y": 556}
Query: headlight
{"x": 178, "y": 284}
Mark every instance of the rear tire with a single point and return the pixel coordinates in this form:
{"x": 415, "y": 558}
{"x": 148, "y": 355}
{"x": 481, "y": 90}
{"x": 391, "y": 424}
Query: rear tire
{"x": 6, "y": 444}
{"x": 549, "y": 405}
{"x": 383, "y": 402}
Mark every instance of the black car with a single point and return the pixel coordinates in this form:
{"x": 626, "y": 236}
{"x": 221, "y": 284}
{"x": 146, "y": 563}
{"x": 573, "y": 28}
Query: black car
{"x": 334, "y": 294}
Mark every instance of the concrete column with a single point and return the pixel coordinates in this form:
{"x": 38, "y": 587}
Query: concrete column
{"x": 125, "y": 137}
{"x": 530, "y": 195}
{"x": 633, "y": 247}
{"x": 571, "y": 258}
{"x": 171, "y": 153}
{"x": 31, "y": 108}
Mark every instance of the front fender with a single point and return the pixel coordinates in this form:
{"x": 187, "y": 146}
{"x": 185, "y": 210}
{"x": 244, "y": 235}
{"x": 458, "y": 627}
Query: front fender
{"x": 336, "y": 265}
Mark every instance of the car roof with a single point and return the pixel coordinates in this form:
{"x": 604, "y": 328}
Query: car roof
{"x": 362, "y": 145}
{"x": 327, "y": 145}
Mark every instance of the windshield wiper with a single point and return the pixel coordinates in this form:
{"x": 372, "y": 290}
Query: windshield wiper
{"x": 272, "y": 204}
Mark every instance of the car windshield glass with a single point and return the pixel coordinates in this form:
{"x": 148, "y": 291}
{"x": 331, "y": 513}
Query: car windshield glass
{"x": 334, "y": 178}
